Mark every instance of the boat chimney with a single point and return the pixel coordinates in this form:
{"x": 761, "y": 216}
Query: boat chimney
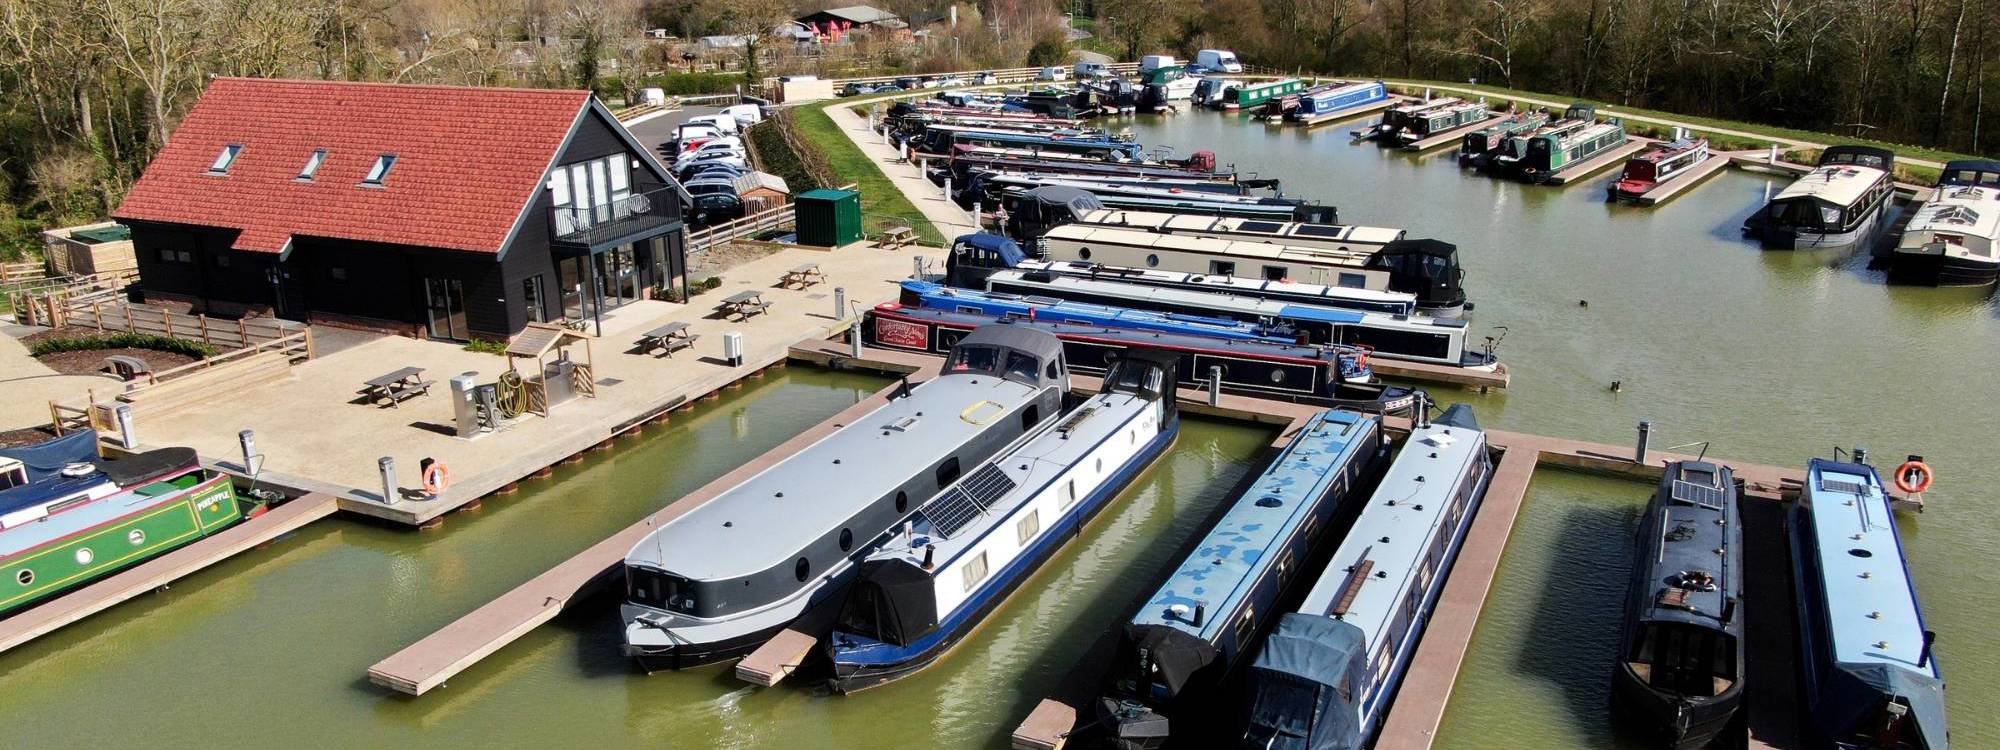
{"x": 1860, "y": 454}
{"x": 1423, "y": 415}
{"x": 1200, "y": 609}
{"x": 1924, "y": 657}
{"x": 1729, "y": 610}
{"x": 930, "y": 554}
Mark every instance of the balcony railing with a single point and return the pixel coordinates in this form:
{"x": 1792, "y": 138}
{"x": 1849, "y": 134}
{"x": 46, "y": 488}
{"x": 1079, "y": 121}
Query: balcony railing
{"x": 624, "y": 219}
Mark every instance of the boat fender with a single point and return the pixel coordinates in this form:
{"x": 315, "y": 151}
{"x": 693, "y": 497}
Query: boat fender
{"x": 436, "y": 477}
{"x": 1914, "y": 476}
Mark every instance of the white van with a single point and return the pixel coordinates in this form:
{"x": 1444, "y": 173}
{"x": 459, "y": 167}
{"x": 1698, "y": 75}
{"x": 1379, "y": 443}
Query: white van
{"x": 1218, "y": 59}
{"x": 1156, "y": 62}
{"x": 1053, "y": 73}
{"x": 1087, "y": 70}
{"x": 652, "y": 95}
{"x": 725, "y": 123}
{"x": 745, "y": 114}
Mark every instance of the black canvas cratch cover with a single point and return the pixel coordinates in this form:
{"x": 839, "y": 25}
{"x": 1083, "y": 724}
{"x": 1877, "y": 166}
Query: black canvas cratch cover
{"x": 1856, "y": 695}
{"x": 145, "y": 466}
{"x": 892, "y": 601}
{"x": 46, "y": 459}
{"x": 1174, "y": 655}
{"x": 1423, "y": 267}
{"x": 1303, "y": 684}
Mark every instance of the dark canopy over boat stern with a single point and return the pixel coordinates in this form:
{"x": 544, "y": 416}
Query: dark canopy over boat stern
{"x": 1428, "y": 269}
{"x": 1304, "y": 685}
{"x": 1155, "y": 664}
{"x": 974, "y": 257}
{"x": 1890, "y": 708}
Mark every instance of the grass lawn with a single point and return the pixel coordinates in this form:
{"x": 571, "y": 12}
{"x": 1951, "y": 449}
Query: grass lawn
{"x": 881, "y": 203}
{"x": 1787, "y": 134}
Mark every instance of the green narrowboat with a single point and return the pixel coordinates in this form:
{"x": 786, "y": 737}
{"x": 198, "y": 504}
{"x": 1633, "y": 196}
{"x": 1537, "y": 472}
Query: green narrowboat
{"x": 1549, "y": 155}
{"x": 1251, "y": 95}
{"x": 1513, "y": 155}
{"x": 1481, "y": 146}
{"x": 69, "y": 517}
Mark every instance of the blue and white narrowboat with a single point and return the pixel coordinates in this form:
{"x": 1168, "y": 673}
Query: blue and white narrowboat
{"x": 1328, "y": 673}
{"x": 721, "y": 579}
{"x": 1174, "y": 654}
{"x": 972, "y": 545}
{"x": 1326, "y": 104}
{"x": 1869, "y": 679}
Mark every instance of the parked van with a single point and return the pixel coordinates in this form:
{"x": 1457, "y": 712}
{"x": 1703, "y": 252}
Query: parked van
{"x": 725, "y": 123}
{"x": 1218, "y": 59}
{"x": 652, "y": 95}
{"x": 1053, "y": 73}
{"x": 1151, "y": 63}
{"x": 1087, "y": 70}
{"x": 745, "y": 114}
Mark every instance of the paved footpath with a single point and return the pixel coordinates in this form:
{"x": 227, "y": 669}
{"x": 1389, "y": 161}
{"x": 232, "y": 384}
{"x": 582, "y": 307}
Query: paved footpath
{"x": 908, "y": 177}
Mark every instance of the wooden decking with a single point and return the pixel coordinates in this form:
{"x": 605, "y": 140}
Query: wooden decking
{"x": 160, "y": 571}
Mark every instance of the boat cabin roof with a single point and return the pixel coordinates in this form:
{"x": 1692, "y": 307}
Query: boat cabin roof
{"x": 1099, "y": 235}
{"x": 1980, "y": 172}
{"x": 1260, "y": 521}
{"x": 1365, "y": 579}
{"x": 1232, "y": 285}
{"x": 1197, "y": 224}
{"x": 1872, "y": 613}
{"x": 1865, "y": 156}
{"x": 1688, "y": 581}
{"x": 1836, "y": 184}
{"x": 1664, "y": 151}
{"x": 1960, "y": 209}
{"x": 766, "y": 520}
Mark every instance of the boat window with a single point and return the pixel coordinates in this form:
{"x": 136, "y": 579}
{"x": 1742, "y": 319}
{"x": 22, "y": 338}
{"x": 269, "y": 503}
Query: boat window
{"x": 975, "y": 359}
{"x": 846, "y": 539}
{"x": 802, "y": 569}
{"x": 1222, "y": 267}
{"x": 975, "y": 571}
{"x": 1353, "y": 281}
{"x": 15, "y": 475}
{"x": 136, "y": 537}
{"x": 1829, "y": 216}
{"x": 1069, "y": 493}
{"x": 947, "y": 472}
{"x": 1152, "y": 260}
{"x": 1246, "y": 626}
{"x": 25, "y": 577}
{"x": 1030, "y": 416}
{"x": 902, "y": 501}
{"x": 84, "y": 556}
{"x": 1276, "y": 273}
{"x": 1021, "y": 367}
{"x": 1030, "y": 525}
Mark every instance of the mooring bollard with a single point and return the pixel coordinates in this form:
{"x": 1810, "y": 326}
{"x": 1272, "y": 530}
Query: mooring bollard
{"x": 732, "y": 348}
{"x": 388, "y": 467}
{"x": 917, "y": 267}
{"x": 128, "y": 434}
{"x": 1645, "y": 437}
{"x": 1772, "y": 158}
{"x": 947, "y": 188}
{"x": 248, "y": 441}
{"x": 977, "y": 223}
{"x": 854, "y": 340}
{"x": 839, "y": 303}
{"x": 1214, "y": 386}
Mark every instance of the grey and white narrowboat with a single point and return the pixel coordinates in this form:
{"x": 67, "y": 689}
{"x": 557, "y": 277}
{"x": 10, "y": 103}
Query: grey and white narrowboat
{"x": 967, "y": 549}
{"x": 722, "y": 578}
{"x": 1840, "y": 203}
{"x": 1954, "y": 238}
{"x": 1327, "y": 675}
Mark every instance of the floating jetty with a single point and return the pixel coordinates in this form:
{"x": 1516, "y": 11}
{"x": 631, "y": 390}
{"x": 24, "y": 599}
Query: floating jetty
{"x": 1350, "y": 113}
{"x": 156, "y": 573}
{"x": 1615, "y": 155}
{"x": 1453, "y": 135}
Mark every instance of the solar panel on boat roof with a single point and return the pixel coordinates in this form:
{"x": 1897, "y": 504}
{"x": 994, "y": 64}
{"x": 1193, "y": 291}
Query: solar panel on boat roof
{"x": 958, "y": 507}
{"x": 1835, "y": 485}
{"x": 1697, "y": 494}
{"x": 1320, "y": 230}
{"x": 1259, "y": 227}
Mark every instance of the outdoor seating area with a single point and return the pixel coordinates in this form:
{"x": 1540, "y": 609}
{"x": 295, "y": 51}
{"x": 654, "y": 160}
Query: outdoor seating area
{"x": 743, "y": 305}
{"x": 802, "y": 276}
{"x": 396, "y": 387}
{"x": 667, "y": 339}
{"x": 896, "y": 238}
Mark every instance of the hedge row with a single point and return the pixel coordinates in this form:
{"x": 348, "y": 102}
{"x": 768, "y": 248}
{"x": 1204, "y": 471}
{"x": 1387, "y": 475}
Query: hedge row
{"x": 94, "y": 342}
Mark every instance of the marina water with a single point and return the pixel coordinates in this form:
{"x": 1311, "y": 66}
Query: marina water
{"x": 1772, "y": 356}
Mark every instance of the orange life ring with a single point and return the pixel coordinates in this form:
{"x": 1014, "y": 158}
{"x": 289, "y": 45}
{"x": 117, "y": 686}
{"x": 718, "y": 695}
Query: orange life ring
{"x": 1914, "y": 476}
{"x": 436, "y": 478}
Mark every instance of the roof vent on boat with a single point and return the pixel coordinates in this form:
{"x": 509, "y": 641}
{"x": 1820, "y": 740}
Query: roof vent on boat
{"x": 1694, "y": 580}
{"x": 1269, "y": 502}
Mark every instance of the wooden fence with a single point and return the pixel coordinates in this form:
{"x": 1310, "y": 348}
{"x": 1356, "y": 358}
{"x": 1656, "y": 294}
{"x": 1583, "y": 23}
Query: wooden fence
{"x": 776, "y": 217}
{"x": 112, "y": 316}
{"x": 193, "y": 383}
{"x": 23, "y": 271}
{"x": 50, "y": 302}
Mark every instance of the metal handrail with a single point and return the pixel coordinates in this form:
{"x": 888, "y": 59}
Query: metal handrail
{"x": 590, "y": 225}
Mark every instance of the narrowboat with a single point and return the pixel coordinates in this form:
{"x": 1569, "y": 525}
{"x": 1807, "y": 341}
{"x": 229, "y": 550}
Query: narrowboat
{"x": 1549, "y": 154}
{"x": 1210, "y": 90}
{"x": 1680, "y": 668}
{"x": 965, "y": 550}
{"x": 1068, "y": 208}
{"x": 1176, "y": 653}
{"x": 1434, "y": 121}
{"x": 1868, "y": 677}
{"x": 1656, "y": 165}
{"x": 69, "y": 516}
{"x": 1325, "y": 105}
{"x": 1248, "y": 207}
{"x": 1840, "y": 203}
{"x": 1416, "y": 339}
{"x": 724, "y": 577}
{"x": 1248, "y": 95}
{"x": 1099, "y": 146}
{"x": 1303, "y": 373}
{"x": 964, "y": 165}
{"x": 1954, "y": 238}
{"x": 1040, "y": 271}
{"x": 1328, "y": 673}
{"x": 1161, "y": 87}
{"x": 1482, "y": 145}
{"x": 1513, "y": 154}
{"x": 1426, "y": 268}
{"x": 1394, "y": 119}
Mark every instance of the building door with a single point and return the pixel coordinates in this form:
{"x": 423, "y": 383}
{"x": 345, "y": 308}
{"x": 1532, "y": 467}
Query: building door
{"x": 444, "y": 300}
{"x": 531, "y": 293}
{"x": 288, "y": 291}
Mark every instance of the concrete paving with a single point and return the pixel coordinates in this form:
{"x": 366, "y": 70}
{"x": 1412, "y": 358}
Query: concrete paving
{"x": 29, "y": 385}
{"x": 316, "y": 435}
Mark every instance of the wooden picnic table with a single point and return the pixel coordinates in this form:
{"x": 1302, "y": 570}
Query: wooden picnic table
{"x": 397, "y": 386}
{"x": 745, "y": 304}
{"x": 668, "y": 338}
{"x": 896, "y": 237}
{"x": 803, "y": 276}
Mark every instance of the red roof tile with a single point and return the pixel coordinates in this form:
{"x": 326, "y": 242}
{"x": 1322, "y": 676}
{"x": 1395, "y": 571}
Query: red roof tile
{"x": 468, "y": 161}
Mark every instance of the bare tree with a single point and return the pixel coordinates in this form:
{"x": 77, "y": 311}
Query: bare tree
{"x": 158, "y": 43}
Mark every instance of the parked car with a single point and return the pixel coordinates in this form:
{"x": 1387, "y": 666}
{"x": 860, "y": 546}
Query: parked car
{"x": 722, "y": 157}
{"x": 1220, "y": 60}
{"x": 1087, "y": 70}
{"x": 711, "y": 169}
{"x": 1155, "y": 62}
{"x": 986, "y": 79}
{"x": 1053, "y": 73}
{"x": 715, "y": 208}
{"x": 950, "y": 82}
{"x": 908, "y": 83}
{"x": 725, "y": 123}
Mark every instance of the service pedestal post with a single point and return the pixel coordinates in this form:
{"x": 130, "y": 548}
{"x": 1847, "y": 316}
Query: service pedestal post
{"x": 1214, "y": 386}
{"x": 1645, "y": 437}
{"x": 917, "y": 267}
{"x": 247, "y": 440}
{"x": 128, "y": 435}
{"x": 388, "y": 467}
{"x": 840, "y": 303}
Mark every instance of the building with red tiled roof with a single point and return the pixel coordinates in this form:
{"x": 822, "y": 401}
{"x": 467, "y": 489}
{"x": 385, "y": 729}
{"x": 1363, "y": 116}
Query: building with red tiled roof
{"x": 442, "y": 211}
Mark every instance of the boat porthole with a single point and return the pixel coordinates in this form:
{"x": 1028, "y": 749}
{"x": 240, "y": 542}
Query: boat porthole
{"x": 1083, "y": 253}
{"x": 136, "y": 536}
{"x": 1277, "y": 376}
{"x": 902, "y": 502}
{"x": 1859, "y": 552}
{"x": 1100, "y": 466}
{"x": 802, "y": 569}
{"x": 1152, "y": 260}
{"x": 846, "y": 540}
{"x": 26, "y": 577}
{"x": 84, "y": 555}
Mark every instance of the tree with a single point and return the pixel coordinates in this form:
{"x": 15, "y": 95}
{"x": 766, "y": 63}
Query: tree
{"x": 753, "y": 21}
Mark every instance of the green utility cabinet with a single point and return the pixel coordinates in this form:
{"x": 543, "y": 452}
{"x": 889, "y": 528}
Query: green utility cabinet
{"x": 828, "y": 217}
